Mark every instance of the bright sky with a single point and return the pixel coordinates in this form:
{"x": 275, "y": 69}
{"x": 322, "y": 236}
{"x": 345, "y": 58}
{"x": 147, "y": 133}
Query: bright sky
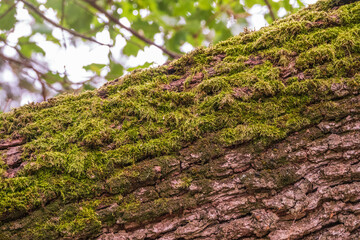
{"x": 73, "y": 58}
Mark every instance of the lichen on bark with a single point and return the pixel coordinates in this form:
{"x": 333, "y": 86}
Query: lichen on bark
{"x": 255, "y": 137}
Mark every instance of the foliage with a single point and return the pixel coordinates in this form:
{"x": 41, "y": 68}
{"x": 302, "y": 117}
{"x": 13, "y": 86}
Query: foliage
{"x": 140, "y": 23}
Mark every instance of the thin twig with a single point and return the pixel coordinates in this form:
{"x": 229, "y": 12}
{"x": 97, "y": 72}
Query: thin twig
{"x": 43, "y": 86}
{"x": 272, "y": 15}
{"x": 14, "y": 60}
{"x": 27, "y": 65}
{"x": 62, "y": 12}
{"x": 7, "y": 104}
{"x": 22, "y": 55}
{"x": 38, "y": 12}
{"x": 132, "y": 31}
{"x": 62, "y": 22}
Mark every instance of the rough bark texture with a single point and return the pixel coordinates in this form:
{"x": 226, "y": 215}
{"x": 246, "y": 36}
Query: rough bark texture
{"x": 257, "y": 137}
{"x": 314, "y": 196}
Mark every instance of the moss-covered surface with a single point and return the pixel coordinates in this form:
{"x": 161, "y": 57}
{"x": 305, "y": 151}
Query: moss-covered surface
{"x": 93, "y": 149}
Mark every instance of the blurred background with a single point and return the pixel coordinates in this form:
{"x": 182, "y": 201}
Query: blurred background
{"x": 48, "y": 47}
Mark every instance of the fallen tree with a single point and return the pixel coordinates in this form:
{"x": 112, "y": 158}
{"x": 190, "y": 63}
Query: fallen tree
{"x": 257, "y": 137}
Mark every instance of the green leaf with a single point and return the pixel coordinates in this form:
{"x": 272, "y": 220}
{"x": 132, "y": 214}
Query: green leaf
{"x": 145, "y": 65}
{"x": 7, "y": 15}
{"x": 127, "y": 8}
{"x": 146, "y": 28}
{"x": 95, "y": 67}
{"x": 275, "y": 6}
{"x": 27, "y": 48}
{"x": 221, "y": 32}
{"x": 250, "y": 3}
{"x": 77, "y": 17}
{"x": 205, "y": 4}
{"x": 37, "y": 18}
{"x": 268, "y": 18}
{"x": 52, "y": 78}
{"x": 50, "y": 37}
{"x": 55, "y": 4}
{"x": 133, "y": 46}
{"x": 26, "y": 84}
{"x": 130, "y": 49}
{"x": 176, "y": 41}
{"x": 88, "y": 86}
{"x": 193, "y": 26}
{"x": 183, "y": 7}
{"x": 116, "y": 70}
{"x": 301, "y": 4}
{"x": 287, "y": 5}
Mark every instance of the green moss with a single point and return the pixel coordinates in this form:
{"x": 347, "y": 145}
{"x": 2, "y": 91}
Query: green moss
{"x": 78, "y": 221}
{"x": 257, "y": 87}
{"x": 315, "y": 56}
{"x": 150, "y": 211}
{"x": 244, "y": 133}
{"x": 124, "y": 181}
{"x": 214, "y": 85}
{"x": 186, "y": 182}
{"x": 3, "y": 166}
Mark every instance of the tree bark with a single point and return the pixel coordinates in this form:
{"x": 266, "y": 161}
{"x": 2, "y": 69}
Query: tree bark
{"x": 315, "y": 195}
{"x": 257, "y": 137}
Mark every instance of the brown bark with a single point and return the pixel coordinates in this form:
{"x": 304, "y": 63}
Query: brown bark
{"x": 305, "y": 187}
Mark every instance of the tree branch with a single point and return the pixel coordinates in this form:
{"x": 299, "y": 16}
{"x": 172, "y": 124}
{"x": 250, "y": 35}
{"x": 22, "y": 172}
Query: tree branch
{"x": 272, "y": 15}
{"x": 29, "y": 66}
{"x": 7, "y": 104}
{"x": 24, "y": 59}
{"x": 132, "y": 31}
{"x": 43, "y": 86}
{"x": 38, "y": 12}
{"x": 3, "y": 57}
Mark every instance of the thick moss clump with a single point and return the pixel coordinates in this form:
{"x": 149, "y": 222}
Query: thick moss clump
{"x": 84, "y": 151}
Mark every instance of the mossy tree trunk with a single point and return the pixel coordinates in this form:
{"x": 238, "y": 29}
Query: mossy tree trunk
{"x": 257, "y": 137}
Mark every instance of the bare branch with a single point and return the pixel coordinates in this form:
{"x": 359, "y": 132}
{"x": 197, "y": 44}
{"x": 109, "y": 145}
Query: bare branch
{"x": 38, "y": 12}
{"x": 132, "y": 31}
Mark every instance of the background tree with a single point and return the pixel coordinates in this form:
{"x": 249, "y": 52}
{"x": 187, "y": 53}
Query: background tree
{"x": 167, "y": 25}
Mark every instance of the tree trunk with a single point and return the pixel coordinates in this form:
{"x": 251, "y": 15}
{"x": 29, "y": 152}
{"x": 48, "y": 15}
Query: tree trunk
{"x": 257, "y": 137}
